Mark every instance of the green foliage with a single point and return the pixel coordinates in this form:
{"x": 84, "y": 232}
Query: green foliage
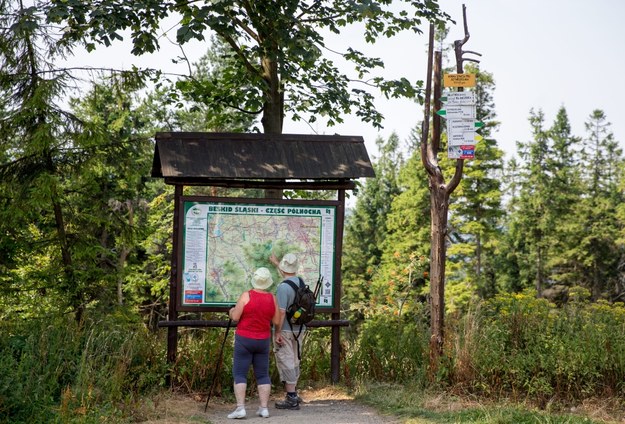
{"x": 404, "y": 262}
{"x": 421, "y": 407}
{"x": 56, "y": 370}
{"x": 367, "y": 227}
{"x": 476, "y": 212}
{"x": 84, "y": 233}
{"x": 315, "y": 365}
{"x": 198, "y": 351}
{"x": 392, "y": 348}
{"x": 564, "y": 225}
{"x": 522, "y": 347}
{"x": 274, "y": 62}
{"x": 190, "y": 110}
{"x": 510, "y": 347}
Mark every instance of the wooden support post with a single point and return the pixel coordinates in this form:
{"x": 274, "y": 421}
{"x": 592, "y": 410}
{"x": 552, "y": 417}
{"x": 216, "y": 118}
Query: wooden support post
{"x": 172, "y": 332}
{"x": 335, "y": 354}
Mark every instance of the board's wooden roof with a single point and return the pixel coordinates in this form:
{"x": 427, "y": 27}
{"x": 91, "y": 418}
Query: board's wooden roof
{"x": 234, "y": 156}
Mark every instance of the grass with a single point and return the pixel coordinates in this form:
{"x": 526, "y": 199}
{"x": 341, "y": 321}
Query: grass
{"x": 417, "y": 407}
{"x": 410, "y": 406}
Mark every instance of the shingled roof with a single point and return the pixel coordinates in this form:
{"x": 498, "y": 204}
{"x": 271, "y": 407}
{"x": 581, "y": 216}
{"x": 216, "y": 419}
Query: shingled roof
{"x": 184, "y": 156}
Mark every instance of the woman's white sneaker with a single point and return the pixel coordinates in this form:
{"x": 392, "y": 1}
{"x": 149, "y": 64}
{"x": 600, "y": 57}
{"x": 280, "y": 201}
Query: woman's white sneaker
{"x": 237, "y": 413}
{"x": 263, "y": 412}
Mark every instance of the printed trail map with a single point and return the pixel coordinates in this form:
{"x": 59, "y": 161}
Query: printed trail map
{"x": 224, "y": 243}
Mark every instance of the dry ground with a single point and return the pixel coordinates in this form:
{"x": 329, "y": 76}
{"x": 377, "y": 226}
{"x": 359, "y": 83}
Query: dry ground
{"x": 331, "y": 405}
{"x": 321, "y": 406}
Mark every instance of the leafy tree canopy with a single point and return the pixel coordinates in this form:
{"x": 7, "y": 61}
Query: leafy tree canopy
{"x": 277, "y": 49}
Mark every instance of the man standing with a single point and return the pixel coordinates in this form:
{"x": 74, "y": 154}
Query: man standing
{"x": 288, "y": 342}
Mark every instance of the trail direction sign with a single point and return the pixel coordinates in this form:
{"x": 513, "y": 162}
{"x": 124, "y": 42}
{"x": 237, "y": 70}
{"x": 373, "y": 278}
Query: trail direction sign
{"x": 462, "y": 138}
{"x": 458, "y": 112}
{"x": 462, "y": 131}
{"x": 459, "y": 80}
{"x": 463, "y": 125}
{"x": 458, "y": 98}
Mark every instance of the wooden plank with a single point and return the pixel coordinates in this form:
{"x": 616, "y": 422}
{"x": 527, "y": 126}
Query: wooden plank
{"x": 223, "y": 324}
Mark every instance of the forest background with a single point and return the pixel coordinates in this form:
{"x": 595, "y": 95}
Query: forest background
{"x": 535, "y": 269}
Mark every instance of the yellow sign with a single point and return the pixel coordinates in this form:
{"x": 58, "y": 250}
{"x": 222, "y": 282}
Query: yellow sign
{"x": 459, "y": 80}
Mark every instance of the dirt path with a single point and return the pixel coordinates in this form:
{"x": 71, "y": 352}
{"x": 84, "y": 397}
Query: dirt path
{"x": 324, "y": 406}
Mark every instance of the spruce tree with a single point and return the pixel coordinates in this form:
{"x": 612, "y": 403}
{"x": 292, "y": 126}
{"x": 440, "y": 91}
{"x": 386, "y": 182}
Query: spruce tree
{"x": 596, "y": 252}
{"x": 529, "y": 223}
{"x": 564, "y": 193}
{"x": 476, "y": 209}
{"x": 366, "y": 226}
{"x": 402, "y": 274}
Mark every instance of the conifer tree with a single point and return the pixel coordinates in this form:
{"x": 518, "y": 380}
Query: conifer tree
{"x": 406, "y": 248}
{"x": 476, "y": 209}
{"x": 542, "y": 226}
{"x": 530, "y": 222}
{"x": 366, "y": 227}
{"x": 596, "y": 252}
{"x": 37, "y": 159}
{"x": 564, "y": 193}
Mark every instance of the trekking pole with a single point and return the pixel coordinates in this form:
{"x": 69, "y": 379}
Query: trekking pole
{"x": 318, "y": 286}
{"x": 218, "y": 364}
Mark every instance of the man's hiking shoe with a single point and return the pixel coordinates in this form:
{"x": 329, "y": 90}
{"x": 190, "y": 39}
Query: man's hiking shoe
{"x": 288, "y": 403}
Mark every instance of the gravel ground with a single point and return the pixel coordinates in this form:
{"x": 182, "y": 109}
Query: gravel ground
{"x": 324, "y": 406}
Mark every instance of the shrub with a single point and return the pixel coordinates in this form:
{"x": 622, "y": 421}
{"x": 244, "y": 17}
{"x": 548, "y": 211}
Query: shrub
{"x": 58, "y": 369}
{"x": 524, "y": 347}
{"x": 390, "y": 349}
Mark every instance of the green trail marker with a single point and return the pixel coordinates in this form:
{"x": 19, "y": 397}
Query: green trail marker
{"x": 463, "y": 125}
{"x": 466, "y": 112}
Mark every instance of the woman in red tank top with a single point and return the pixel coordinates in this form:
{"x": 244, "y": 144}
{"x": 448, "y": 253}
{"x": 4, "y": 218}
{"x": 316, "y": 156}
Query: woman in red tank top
{"x": 254, "y": 312}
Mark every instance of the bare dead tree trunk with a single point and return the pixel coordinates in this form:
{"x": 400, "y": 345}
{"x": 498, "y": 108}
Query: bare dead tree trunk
{"x": 439, "y": 194}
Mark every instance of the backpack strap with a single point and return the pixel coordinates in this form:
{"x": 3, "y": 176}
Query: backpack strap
{"x": 292, "y": 284}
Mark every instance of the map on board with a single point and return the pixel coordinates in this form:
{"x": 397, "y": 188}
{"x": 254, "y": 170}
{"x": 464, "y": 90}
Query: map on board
{"x": 225, "y": 242}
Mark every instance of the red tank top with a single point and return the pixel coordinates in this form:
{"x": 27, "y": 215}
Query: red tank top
{"x": 255, "y": 322}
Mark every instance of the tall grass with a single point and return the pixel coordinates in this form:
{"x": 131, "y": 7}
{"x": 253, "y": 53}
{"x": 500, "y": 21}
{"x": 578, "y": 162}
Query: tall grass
{"x": 196, "y": 365}
{"x": 57, "y": 370}
{"x": 512, "y": 347}
{"x": 390, "y": 348}
{"x": 522, "y": 347}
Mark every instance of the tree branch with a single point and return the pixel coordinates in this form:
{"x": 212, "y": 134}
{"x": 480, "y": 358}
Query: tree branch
{"x": 428, "y": 164}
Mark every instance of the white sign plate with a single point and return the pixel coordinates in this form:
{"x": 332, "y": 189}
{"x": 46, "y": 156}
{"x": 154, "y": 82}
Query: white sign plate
{"x": 460, "y": 112}
{"x": 460, "y": 131}
{"x": 461, "y": 138}
{"x": 459, "y": 98}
